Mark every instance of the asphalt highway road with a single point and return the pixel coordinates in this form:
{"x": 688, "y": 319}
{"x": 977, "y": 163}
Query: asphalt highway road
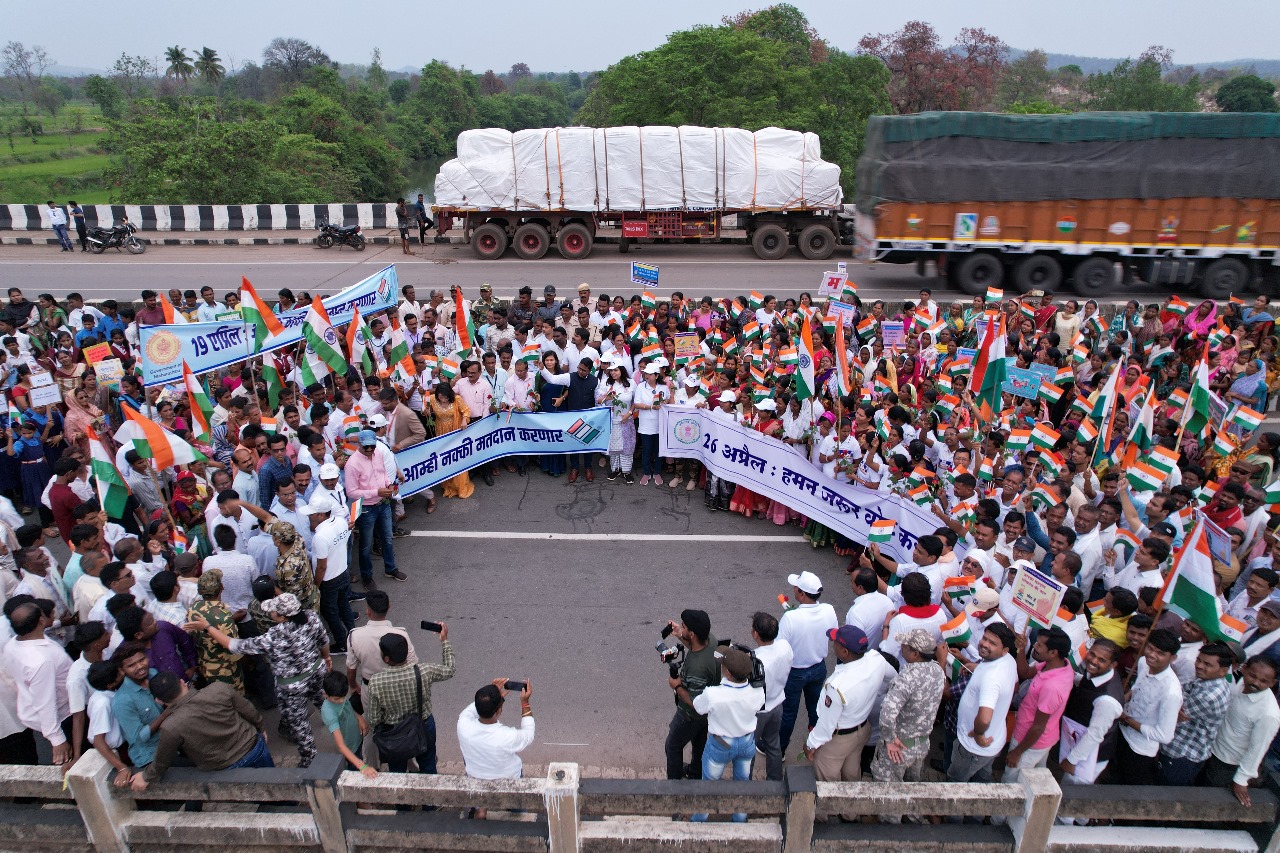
{"x": 719, "y": 270}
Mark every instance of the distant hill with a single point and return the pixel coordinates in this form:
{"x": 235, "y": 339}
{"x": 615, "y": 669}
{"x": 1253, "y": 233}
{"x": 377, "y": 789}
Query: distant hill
{"x": 1092, "y": 64}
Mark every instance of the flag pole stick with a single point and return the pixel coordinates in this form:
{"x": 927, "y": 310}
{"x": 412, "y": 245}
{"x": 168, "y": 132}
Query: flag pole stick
{"x": 151, "y": 471}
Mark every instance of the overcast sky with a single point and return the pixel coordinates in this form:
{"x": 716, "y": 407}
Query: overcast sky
{"x": 561, "y": 36}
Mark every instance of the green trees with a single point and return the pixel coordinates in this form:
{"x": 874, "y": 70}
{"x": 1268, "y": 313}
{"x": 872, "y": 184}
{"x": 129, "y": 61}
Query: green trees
{"x": 1247, "y": 93}
{"x": 178, "y": 65}
{"x": 757, "y": 69}
{"x": 1140, "y": 86}
{"x": 209, "y": 66}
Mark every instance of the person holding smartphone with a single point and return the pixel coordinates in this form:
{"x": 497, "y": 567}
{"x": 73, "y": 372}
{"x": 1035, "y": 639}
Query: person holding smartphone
{"x": 491, "y": 750}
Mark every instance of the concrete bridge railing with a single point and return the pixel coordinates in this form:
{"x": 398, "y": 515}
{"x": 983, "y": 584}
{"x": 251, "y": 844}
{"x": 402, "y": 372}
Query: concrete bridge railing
{"x": 314, "y": 810}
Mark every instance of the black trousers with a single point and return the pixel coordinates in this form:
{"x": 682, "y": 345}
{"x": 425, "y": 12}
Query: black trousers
{"x": 1130, "y": 768}
{"x": 682, "y": 732}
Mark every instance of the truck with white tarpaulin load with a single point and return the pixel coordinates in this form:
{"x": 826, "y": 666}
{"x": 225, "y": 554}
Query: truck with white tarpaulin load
{"x": 534, "y": 189}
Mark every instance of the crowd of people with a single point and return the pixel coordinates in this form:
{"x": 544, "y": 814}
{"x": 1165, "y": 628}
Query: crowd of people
{"x": 226, "y": 578}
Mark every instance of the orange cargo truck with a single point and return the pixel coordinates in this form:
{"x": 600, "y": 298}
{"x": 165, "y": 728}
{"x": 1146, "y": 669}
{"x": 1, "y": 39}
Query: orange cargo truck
{"x": 1031, "y": 202}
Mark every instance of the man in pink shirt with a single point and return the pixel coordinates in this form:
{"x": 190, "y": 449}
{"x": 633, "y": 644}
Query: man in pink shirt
{"x": 477, "y": 396}
{"x": 1035, "y": 727}
{"x": 371, "y": 479}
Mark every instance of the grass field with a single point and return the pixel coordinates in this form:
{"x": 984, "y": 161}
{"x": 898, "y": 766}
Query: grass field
{"x": 57, "y": 164}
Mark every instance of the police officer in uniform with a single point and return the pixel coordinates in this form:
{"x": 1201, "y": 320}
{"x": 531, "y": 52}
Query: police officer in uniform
{"x": 835, "y": 745}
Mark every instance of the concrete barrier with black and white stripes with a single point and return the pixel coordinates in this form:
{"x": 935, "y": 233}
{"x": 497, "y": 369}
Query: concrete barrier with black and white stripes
{"x": 207, "y": 217}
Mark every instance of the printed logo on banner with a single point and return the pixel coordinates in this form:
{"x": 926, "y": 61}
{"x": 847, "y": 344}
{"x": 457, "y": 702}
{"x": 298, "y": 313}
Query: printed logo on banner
{"x": 687, "y": 430}
{"x": 382, "y": 289}
{"x": 164, "y": 349}
{"x": 583, "y": 431}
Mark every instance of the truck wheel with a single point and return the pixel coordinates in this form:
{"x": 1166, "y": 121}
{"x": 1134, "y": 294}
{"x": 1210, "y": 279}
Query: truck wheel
{"x": 624, "y": 245}
{"x": 978, "y": 271}
{"x": 1224, "y": 277}
{"x": 1037, "y": 272}
{"x": 574, "y": 242}
{"x": 489, "y": 241}
{"x": 817, "y": 242}
{"x": 770, "y": 242}
{"x": 532, "y": 241}
{"x": 1094, "y": 276}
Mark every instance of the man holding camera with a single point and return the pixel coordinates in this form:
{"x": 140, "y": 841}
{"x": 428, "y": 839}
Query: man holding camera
{"x": 491, "y": 750}
{"x": 699, "y": 670}
{"x": 730, "y": 707}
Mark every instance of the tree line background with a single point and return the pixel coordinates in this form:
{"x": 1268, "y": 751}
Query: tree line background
{"x": 297, "y": 127}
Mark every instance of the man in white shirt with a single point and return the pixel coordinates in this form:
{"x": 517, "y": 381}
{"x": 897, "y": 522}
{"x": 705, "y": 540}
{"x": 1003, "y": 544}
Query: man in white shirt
{"x": 230, "y": 514}
{"x": 1089, "y": 735}
{"x": 330, "y": 546}
{"x": 38, "y": 668}
{"x": 238, "y": 570}
{"x": 1088, "y": 545}
{"x": 491, "y": 750}
{"x": 1151, "y": 715}
{"x": 58, "y": 221}
{"x": 730, "y": 708}
{"x": 848, "y": 696}
{"x": 289, "y": 506}
{"x": 870, "y": 606}
{"x": 246, "y": 479}
{"x": 775, "y": 656}
{"x": 981, "y": 729}
{"x": 1247, "y": 730}
{"x": 805, "y": 628}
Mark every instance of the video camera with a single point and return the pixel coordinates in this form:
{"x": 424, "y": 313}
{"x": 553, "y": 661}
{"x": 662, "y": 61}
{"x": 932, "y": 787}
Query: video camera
{"x": 672, "y": 656}
{"x": 756, "y": 679}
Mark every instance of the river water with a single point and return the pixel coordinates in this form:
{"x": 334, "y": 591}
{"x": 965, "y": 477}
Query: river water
{"x": 421, "y": 178}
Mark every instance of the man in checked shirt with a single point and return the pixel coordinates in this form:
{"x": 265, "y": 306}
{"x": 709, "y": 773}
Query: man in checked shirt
{"x": 393, "y": 694}
{"x": 1204, "y": 703}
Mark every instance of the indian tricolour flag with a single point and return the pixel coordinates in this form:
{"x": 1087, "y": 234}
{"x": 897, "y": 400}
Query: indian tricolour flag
{"x": 354, "y": 511}
{"x": 201, "y": 409}
{"x": 321, "y": 338}
{"x": 1189, "y": 590}
{"x": 844, "y": 377}
{"x": 258, "y": 315}
{"x": 401, "y": 358}
{"x": 358, "y": 337}
{"x": 994, "y": 294}
{"x": 1018, "y": 440}
{"x": 1044, "y": 436}
{"x": 957, "y": 631}
{"x": 805, "y": 387}
{"x": 1143, "y": 477}
{"x": 463, "y": 328}
{"x": 1050, "y": 393}
{"x": 1246, "y": 418}
{"x": 530, "y": 353}
{"x": 789, "y": 356}
{"x": 1128, "y": 542}
{"x": 1232, "y": 628}
{"x": 155, "y": 442}
{"x": 1198, "y": 413}
{"x": 882, "y": 530}
{"x": 959, "y": 587}
{"x": 112, "y": 489}
{"x": 990, "y": 370}
{"x": 921, "y": 495}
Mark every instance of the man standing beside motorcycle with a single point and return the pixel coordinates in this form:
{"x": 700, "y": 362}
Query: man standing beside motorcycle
{"x": 58, "y": 219}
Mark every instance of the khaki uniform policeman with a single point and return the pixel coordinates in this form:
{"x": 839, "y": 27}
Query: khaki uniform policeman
{"x": 848, "y": 696}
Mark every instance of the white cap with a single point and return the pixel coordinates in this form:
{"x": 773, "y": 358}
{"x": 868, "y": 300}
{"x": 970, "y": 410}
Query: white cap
{"x": 378, "y": 421}
{"x": 806, "y": 582}
{"x": 320, "y": 504}
{"x": 661, "y": 361}
{"x": 691, "y": 381}
{"x": 768, "y": 404}
{"x": 329, "y": 471}
{"x": 652, "y": 368}
{"x": 727, "y": 397}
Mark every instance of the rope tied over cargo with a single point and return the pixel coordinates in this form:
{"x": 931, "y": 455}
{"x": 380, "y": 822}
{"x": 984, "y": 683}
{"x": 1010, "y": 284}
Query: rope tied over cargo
{"x": 684, "y": 198}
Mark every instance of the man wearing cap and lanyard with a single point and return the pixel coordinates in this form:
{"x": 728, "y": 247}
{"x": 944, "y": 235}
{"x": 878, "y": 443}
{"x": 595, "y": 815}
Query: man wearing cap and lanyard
{"x": 848, "y": 695}
{"x": 329, "y": 554}
{"x": 805, "y": 627}
{"x": 370, "y": 479}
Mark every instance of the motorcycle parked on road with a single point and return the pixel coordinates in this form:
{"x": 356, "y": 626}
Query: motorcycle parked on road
{"x": 121, "y": 235}
{"x": 348, "y": 235}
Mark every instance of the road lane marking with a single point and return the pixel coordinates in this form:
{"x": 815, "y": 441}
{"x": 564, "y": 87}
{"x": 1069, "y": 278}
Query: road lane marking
{"x": 601, "y": 537}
